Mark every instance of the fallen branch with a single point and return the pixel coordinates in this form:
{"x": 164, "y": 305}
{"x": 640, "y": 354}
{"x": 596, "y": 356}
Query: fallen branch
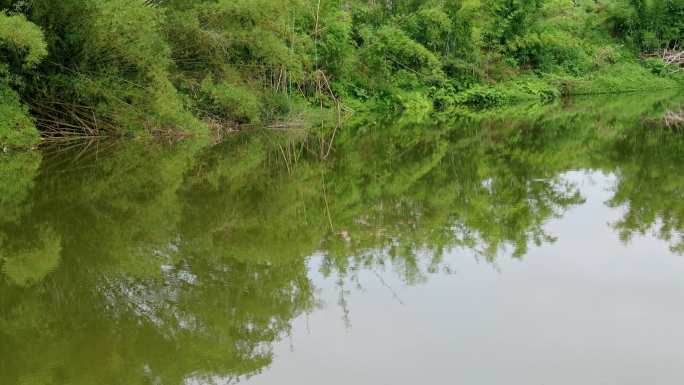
{"x": 674, "y": 119}
{"x": 672, "y": 57}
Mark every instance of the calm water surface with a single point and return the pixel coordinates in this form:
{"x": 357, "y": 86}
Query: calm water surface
{"x": 535, "y": 245}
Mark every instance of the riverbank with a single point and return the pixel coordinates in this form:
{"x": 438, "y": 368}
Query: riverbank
{"x": 168, "y": 68}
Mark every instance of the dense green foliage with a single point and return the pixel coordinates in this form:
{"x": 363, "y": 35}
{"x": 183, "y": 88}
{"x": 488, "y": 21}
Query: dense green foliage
{"x": 22, "y": 47}
{"x": 89, "y": 68}
{"x": 650, "y": 24}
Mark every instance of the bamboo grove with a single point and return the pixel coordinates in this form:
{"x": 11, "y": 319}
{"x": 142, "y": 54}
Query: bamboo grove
{"x": 87, "y": 68}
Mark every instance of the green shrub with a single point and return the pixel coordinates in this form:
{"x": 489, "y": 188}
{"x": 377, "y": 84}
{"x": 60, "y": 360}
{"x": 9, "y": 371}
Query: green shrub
{"x": 233, "y": 102}
{"x": 22, "y": 39}
{"x": 16, "y": 127}
{"x": 441, "y": 29}
{"x": 621, "y": 77}
{"x": 606, "y": 55}
{"x": 656, "y": 65}
{"x": 510, "y": 19}
{"x": 22, "y": 46}
{"x": 549, "y": 50}
{"x": 276, "y": 105}
{"x": 484, "y": 96}
{"x": 389, "y": 50}
{"x": 649, "y": 24}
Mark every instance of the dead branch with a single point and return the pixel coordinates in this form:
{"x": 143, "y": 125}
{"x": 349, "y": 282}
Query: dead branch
{"x": 674, "y": 119}
{"x": 673, "y": 57}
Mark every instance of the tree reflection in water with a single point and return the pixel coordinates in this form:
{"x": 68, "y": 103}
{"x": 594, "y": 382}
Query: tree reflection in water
{"x": 184, "y": 264}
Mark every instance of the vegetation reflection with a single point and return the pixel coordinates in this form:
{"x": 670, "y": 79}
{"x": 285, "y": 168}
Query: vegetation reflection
{"x": 188, "y": 262}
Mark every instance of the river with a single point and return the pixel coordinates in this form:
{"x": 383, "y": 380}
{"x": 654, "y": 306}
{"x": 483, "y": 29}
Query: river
{"x": 538, "y": 244}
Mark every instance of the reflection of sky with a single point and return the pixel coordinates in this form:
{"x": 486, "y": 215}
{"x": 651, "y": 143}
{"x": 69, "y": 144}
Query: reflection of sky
{"x": 585, "y": 310}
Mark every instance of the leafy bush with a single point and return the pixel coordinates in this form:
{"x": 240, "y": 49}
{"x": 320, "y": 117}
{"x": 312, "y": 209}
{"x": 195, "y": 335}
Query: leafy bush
{"x": 510, "y": 19}
{"x": 649, "y": 24}
{"x": 606, "y": 55}
{"x": 656, "y": 65}
{"x": 389, "y": 50}
{"x": 16, "y": 127}
{"x": 232, "y": 102}
{"x": 109, "y": 64}
{"x": 441, "y": 29}
{"x": 21, "y": 40}
{"x": 549, "y": 50}
{"x": 484, "y": 96}
{"x": 22, "y": 46}
{"x": 621, "y": 77}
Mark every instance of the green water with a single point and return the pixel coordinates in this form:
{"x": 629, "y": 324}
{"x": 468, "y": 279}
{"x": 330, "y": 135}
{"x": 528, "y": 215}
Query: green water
{"x": 535, "y": 245}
